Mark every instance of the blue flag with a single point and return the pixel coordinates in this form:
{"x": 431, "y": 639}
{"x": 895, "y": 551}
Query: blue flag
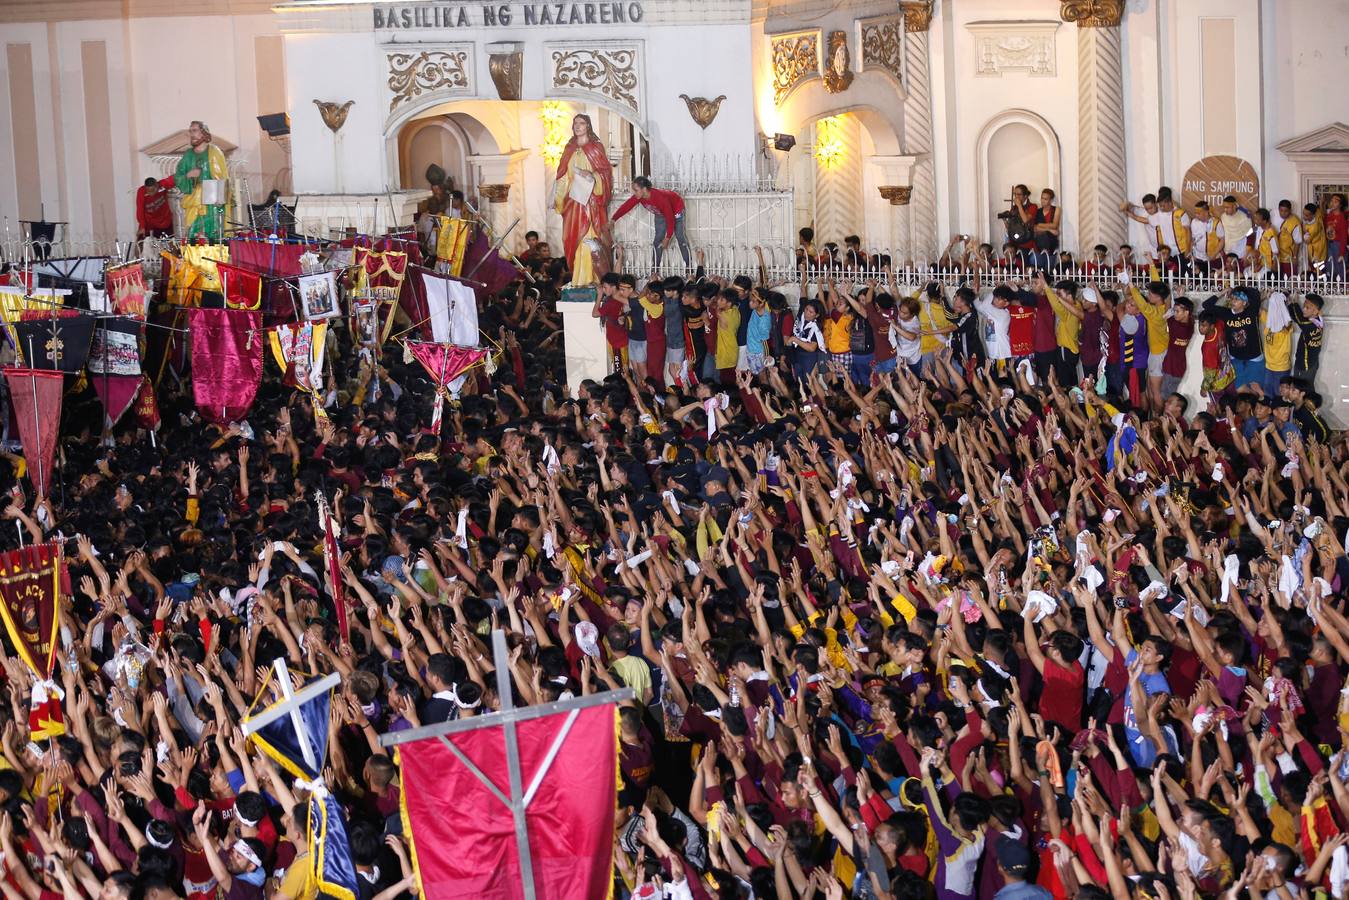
{"x": 330, "y": 861}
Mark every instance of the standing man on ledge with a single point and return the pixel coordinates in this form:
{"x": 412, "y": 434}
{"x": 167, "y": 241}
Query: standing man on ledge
{"x": 667, "y": 207}
{"x": 202, "y": 161}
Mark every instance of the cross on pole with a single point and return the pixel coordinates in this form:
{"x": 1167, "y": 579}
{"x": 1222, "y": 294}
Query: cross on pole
{"x": 508, "y": 717}
{"x": 289, "y": 706}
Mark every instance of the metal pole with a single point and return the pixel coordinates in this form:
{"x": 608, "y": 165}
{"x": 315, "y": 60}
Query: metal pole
{"x": 500, "y": 660}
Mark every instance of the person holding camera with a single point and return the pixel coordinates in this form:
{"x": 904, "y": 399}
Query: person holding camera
{"x": 1019, "y": 222}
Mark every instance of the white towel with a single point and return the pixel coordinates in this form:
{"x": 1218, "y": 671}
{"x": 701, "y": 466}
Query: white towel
{"x": 1231, "y": 569}
{"x": 1039, "y": 604}
{"x": 1277, "y": 317}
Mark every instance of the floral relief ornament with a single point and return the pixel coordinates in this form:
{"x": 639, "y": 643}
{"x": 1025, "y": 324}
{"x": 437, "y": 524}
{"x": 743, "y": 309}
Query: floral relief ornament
{"x": 612, "y": 73}
{"x": 795, "y": 58}
{"x": 1092, "y": 13}
{"x": 414, "y": 74}
{"x": 882, "y": 46}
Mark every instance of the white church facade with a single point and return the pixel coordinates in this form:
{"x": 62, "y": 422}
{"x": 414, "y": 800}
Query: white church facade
{"x": 908, "y": 120}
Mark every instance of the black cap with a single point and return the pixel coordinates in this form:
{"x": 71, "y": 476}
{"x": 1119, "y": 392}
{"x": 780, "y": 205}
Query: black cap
{"x": 1279, "y": 403}
{"x": 1013, "y": 856}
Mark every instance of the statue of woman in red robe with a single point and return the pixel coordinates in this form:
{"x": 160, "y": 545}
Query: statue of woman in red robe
{"x": 585, "y": 182}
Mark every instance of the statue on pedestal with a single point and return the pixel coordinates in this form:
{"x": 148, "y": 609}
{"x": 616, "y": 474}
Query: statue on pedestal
{"x": 585, "y": 182}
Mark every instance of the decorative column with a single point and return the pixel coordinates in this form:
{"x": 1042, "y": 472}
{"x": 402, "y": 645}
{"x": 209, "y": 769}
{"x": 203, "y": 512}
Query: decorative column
{"x": 1101, "y": 183}
{"x": 893, "y": 177}
{"x": 922, "y": 212}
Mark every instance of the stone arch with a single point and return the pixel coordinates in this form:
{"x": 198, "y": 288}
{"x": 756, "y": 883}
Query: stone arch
{"x": 1023, "y": 119}
{"x": 872, "y": 97}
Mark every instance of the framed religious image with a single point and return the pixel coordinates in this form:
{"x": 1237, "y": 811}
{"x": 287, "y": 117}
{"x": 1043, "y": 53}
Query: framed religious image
{"x": 318, "y": 295}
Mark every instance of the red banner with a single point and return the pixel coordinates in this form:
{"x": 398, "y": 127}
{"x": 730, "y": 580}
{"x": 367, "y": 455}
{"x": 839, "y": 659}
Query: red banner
{"x": 35, "y": 395}
{"x": 463, "y": 837}
{"x": 30, "y": 602}
{"x": 147, "y": 405}
{"x": 242, "y": 287}
{"x": 117, "y": 392}
{"x": 226, "y": 362}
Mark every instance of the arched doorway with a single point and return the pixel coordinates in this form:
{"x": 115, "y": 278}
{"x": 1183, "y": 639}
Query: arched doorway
{"x": 1015, "y": 147}
{"x": 449, "y": 140}
{"x": 844, "y": 153}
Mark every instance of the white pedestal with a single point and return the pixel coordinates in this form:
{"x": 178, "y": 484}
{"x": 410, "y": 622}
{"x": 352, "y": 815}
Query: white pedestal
{"x": 583, "y": 339}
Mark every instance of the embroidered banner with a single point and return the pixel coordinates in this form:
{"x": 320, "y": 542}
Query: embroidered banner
{"x": 35, "y": 396}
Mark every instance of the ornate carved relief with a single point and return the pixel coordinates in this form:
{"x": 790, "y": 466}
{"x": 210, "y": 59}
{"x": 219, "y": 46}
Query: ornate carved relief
{"x": 701, "y": 109}
{"x": 609, "y": 71}
{"x": 506, "y": 63}
{"x": 413, "y": 74}
{"x": 838, "y": 72}
{"x": 796, "y": 57}
{"x": 1092, "y": 13}
{"x": 883, "y": 46}
{"x": 1014, "y": 47}
{"x": 917, "y": 14}
{"x": 496, "y": 193}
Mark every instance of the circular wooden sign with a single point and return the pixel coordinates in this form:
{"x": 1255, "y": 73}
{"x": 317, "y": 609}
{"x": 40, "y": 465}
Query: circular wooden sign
{"x": 1215, "y": 177}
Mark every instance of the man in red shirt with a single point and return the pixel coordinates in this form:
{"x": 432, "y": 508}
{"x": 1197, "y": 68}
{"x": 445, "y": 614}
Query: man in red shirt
{"x": 154, "y": 216}
{"x": 667, "y": 207}
{"x": 611, "y": 308}
{"x": 1065, "y": 681}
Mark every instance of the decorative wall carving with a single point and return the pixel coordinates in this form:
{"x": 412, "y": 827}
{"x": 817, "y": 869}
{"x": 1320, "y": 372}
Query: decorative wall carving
{"x": 1092, "y": 13}
{"x": 1014, "y": 47}
{"x": 413, "y": 74}
{"x": 701, "y": 109}
{"x": 334, "y": 115}
{"x": 838, "y": 72}
{"x": 796, "y": 57}
{"x": 917, "y": 14}
{"x": 609, "y": 71}
{"x": 506, "y": 64}
{"x": 883, "y": 46}
{"x": 496, "y": 193}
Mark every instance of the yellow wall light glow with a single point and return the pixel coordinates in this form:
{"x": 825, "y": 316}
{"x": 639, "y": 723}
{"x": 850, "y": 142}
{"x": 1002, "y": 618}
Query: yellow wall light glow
{"x": 556, "y": 118}
{"x": 829, "y": 148}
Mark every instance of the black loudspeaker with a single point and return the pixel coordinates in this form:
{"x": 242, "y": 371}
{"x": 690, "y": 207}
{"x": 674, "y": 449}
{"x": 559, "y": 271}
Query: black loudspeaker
{"x": 784, "y": 141}
{"x": 275, "y": 124}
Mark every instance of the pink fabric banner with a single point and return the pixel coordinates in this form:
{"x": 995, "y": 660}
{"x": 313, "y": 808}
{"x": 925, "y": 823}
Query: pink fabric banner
{"x": 35, "y": 395}
{"x": 117, "y": 392}
{"x": 226, "y": 362}
{"x": 445, "y": 362}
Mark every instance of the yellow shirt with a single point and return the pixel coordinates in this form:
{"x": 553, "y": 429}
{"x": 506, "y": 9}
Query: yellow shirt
{"x": 1278, "y": 346}
{"x": 1067, "y": 327}
{"x": 1155, "y": 313}
{"x": 836, "y": 333}
{"x": 1317, "y": 249}
{"x": 931, "y": 317}
{"x": 728, "y": 351}
{"x": 1266, "y": 244}
{"x": 1287, "y": 232}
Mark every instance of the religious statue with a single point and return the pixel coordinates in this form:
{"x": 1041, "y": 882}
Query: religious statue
{"x": 585, "y": 182}
{"x": 201, "y": 179}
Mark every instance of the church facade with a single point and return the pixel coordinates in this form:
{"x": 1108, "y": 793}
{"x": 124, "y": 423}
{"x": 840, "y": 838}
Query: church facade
{"x": 902, "y": 121}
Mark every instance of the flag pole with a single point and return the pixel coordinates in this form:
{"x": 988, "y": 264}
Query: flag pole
{"x": 507, "y": 702}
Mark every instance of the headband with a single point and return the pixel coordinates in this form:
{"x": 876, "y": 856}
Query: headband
{"x": 247, "y": 853}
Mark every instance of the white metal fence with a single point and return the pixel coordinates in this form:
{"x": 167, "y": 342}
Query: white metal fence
{"x": 728, "y": 259}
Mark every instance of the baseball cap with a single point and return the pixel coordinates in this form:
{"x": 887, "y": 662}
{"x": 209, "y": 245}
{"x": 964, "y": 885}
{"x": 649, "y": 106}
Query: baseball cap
{"x": 1013, "y": 856}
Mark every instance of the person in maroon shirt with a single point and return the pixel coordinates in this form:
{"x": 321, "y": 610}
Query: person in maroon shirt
{"x": 1064, "y": 678}
{"x": 667, "y": 207}
{"x": 1179, "y": 331}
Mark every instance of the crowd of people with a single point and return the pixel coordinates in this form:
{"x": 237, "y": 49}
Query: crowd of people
{"x": 946, "y": 595}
